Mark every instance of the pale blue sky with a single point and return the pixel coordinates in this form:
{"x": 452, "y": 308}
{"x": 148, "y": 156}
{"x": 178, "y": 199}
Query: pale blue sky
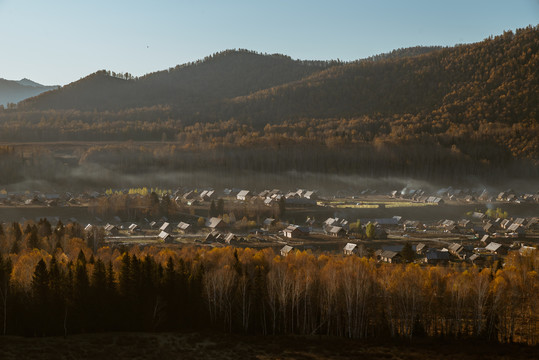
{"x": 60, "y": 41}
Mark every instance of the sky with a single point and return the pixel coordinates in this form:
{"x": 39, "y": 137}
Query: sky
{"x": 56, "y": 42}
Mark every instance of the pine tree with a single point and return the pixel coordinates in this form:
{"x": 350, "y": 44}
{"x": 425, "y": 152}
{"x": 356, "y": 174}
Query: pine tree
{"x": 33, "y": 240}
{"x": 5, "y": 280}
{"x": 407, "y": 252}
{"x": 213, "y": 209}
{"x": 40, "y": 297}
{"x": 220, "y": 207}
{"x": 17, "y": 234}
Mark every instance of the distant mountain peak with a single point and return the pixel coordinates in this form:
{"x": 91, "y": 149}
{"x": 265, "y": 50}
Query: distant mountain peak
{"x": 28, "y": 82}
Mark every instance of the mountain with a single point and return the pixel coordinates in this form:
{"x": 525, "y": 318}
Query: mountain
{"x": 15, "y": 91}
{"x": 493, "y": 80}
{"x": 438, "y": 113}
{"x": 227, "y": 74}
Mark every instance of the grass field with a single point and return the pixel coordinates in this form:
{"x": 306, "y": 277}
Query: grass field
{"x": 166, "y": 346}
{"x": 375, "y": 204}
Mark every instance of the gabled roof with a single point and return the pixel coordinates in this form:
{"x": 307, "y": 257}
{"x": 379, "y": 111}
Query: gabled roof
{"x": 213, "y": 222}
{"x": 164, "y": 226}
{"x": 350, "y": 247}
{"x": 493, "y": 246}
{"x": 334, "y": 229}
{"x": 474, "y": 257}
{"x": 389, "y": 254}
{"x": 286, "y": 249}
{"x": 243, "y": 193}
{"x": 455, "y": 247}
{"x": 183, "y": 226}
{"x": 514, "y": 227}
{"x": 420, "y": 247}
{"x": 133, "y": 226}
{"x": 229, "y": 237}
{"x": 163, "y": 235}
{"x": 110, "y": 227}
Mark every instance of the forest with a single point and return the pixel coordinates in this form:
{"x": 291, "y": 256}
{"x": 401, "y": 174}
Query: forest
{"x": 414, "y": 112}
{"x": 61, "y": 281}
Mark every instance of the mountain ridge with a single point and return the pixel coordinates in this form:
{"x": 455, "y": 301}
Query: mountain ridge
{"x": 14, "y": 91}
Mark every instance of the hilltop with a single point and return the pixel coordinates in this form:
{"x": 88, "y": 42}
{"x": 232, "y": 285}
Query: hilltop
{"x": 12, "y": 91}
{"x": 190, "y": 86}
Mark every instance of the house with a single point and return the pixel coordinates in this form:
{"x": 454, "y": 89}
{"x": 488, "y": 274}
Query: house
{"x": 478, "y": 215}
{"x": 206, "y": 195}
{"x": 457, "y": 250}
{"x": 435, "y": 257}
{"x": 448, "y": 223}
{"x": 243, "y": 195}
{"x": 516, "y": 228}
{"x": 465, "y": 224}
{"x": 310, "y": 195}
{"x": 292, "y": 195}
{"x": 505, "y": 223}
{"x": 231, "y": 239}
{"x": 393, "y": 221}
{"x": 133, "y": 228}
{"x": 166, "y": 237}
{"x": 489, "y": 228}
{"x": 336, "y": 231}
{"x": 520, "y": 221}
{"x": 184, "y": 227}
{"x": 88, "y": 228}
{"x": 413, "y": 226}
{"x": 485, "y": 239}
{"x": 211, "y": 237}
{"x": 392, "y": 257}
{"x": 268, "y": 222}
{"x": 111, "y": 230}
{"x": 380, "y": 233}
{"x": 215, "y": 223}
{"x": 269, "y": 201}
{"x": 350, "y": 249}
{"x": 453, "y": 229}
{"x": 421, "y": 248}
{"x": 293, "y": 231}
{"x": 189, "y": 195}
{"x": 533, "y": 224}
{"x": 286, "y": 250}
{"x": 153, "y": 225}
{"x": 496, "y": 248}
{"x": 166, "y": 227}
{"x": 476, "y": 259}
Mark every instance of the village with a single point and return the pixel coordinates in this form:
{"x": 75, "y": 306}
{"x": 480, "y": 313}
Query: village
{"x": 306, "y": 220}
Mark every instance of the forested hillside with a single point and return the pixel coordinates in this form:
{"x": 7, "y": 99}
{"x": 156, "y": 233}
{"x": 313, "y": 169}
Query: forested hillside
{"x": 189, "y": 87}
{"x": 472, "y": 109}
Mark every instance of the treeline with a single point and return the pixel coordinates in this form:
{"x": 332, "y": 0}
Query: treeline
{"x": 170, "y": 164}
{"x": 78, "y": 290}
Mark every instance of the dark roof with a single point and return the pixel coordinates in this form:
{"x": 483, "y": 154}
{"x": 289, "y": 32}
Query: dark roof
{"x": 437, "y": 255}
